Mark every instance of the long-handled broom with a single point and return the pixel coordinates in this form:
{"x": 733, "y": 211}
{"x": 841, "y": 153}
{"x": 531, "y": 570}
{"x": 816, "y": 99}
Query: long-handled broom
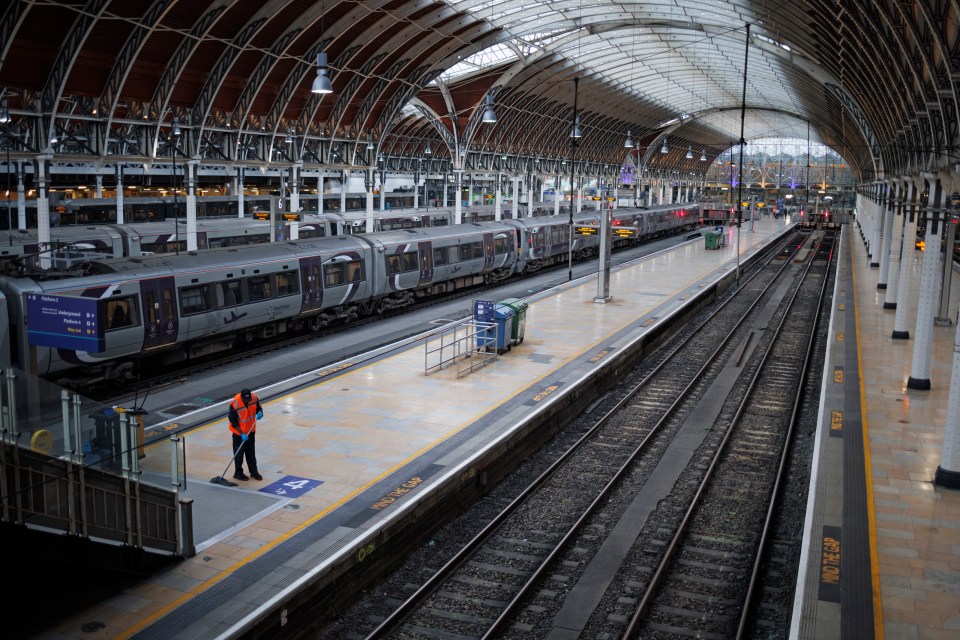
{"x": 220, "y": 478}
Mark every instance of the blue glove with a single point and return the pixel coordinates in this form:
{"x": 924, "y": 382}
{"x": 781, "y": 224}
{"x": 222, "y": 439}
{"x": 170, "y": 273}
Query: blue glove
{"x": 244, "y": 436}
{"x": 259, "y": 414}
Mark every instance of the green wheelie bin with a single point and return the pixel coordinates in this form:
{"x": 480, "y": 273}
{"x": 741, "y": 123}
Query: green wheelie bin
{"x": 518, "y": 326}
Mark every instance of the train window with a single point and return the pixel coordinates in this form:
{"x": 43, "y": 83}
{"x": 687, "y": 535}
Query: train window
{"x": 402, "y": 263}
{"x": 333, "y": 275}
{"x": 441, "y": 256}
{"x": 287, "y": 284}
{"x": 259, "y": 288}
{"x": 194, "y": 299}
{"x": 231, "y": 293}
{"x": 501, "y": 246}
{"x": 471, "y": 251}
{"x": 121, "y": 312}
{"x": 167, "y": 303}
{"x": 355, "y": 271}
{"x": 151, "y": 307}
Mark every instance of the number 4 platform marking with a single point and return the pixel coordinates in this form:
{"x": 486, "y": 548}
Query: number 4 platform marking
{"x": 291, "y": 487}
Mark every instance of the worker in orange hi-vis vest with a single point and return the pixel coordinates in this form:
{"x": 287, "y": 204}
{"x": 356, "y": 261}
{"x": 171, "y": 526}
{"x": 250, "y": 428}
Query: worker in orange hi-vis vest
{"x": 244, "y": 411}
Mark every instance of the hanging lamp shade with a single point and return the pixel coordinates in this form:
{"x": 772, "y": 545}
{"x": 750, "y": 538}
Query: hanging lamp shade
{"x": 628, "y": 143}
{"x": 5, "y": 112}
{"x": 664, "y": 148}
{"x": 321, "y": 84}
{"x": 369, "y": 141}
{"x": 703, "y": 156}
{"x": 488, "y": 115}
{"x": 428, "y": 150}
{"x": 576, "y": 128}
{"x": 690, "y": 152}
{"x": 289, "y": 138}
{"x": 176, "y": 126}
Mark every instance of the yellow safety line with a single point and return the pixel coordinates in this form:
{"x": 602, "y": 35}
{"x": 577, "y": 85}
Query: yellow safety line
{"x": 867, "y": 467}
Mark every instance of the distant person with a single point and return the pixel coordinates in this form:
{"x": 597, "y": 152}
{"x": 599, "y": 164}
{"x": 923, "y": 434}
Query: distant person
{"x": 245, "y": 409}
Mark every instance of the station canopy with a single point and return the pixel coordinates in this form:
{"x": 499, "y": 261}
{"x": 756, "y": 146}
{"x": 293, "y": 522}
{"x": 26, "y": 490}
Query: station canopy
{"x": 99, "y": 81}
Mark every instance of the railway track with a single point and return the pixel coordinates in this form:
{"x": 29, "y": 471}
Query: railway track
{"x": 543, "y": 563}
{"x": 705, "y": 582}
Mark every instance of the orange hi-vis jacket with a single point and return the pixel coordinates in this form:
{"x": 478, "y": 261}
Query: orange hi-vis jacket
{"x": 247, "y": 414}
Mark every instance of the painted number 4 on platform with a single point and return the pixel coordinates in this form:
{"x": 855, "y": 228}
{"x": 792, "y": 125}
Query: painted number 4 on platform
{"x": 291, "y": 486}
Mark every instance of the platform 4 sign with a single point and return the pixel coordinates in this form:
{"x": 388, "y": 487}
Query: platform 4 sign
{"x": 291, "y": 486}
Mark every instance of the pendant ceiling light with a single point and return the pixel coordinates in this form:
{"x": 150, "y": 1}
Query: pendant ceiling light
{"x": 489, "y": 116}
{"x": 628, "y": 143}
{"x": 321, "y": 84}
{"x": 664, "y": 148}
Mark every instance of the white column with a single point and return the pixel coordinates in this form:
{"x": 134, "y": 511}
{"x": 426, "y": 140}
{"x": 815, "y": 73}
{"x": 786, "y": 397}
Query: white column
{"x": 910, "y": 214}
{"x": 43, "y": 210}
{"x": 530, "y": 200}
{"x": 416, "y": 191}
{"x": 21, "y": 201}
{"x": 497, "y": 198}
{"x": 320, "y": 192}
{"x": 383, "y": 194}
{"x": 948, "y": 473}
{"x": 516, "y": 197}
{"x": 192, "y": 205}
{"x": 458, "y": 203}
{"x": 929, "y": 290}
{"x": 240, "y": 205}
{"x": 294, "y": 227}
{"x": 369, "y": 186}
{"x": 897, "y": 245}
{"x": 99, "y": 190}
{"x": 444, "y": 189}
{"x": 616, "y": 197}
{"x": 557, "y": 195}
{"x": 876, "y": 241}
{"x": 343, "y": 191}
{"x": 886, "y": 234}
{"x": 120, "y": 217}
{"x": 295, "y": 188}
{"x": 579, "y": 197}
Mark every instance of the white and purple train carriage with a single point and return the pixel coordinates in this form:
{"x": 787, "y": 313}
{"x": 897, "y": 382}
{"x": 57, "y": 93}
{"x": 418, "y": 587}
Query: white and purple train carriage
{"x": 171, "y": 308}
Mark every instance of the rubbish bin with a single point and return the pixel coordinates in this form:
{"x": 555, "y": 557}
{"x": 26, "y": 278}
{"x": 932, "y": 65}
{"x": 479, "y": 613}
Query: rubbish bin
{"x": 495, "y": 338}
{"x": 712, "y": 240}
{"x": 518, "y": 325}
{"x": 503, "y": 315}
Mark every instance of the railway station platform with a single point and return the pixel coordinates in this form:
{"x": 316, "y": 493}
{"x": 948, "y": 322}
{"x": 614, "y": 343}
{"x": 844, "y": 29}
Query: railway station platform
{"x": 881, "y": 556}
{"x": 353, "y": 453}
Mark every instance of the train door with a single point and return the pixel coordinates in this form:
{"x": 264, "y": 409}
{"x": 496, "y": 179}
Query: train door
{"x": 160, "y": 319}
{"x": 488, "y": 251}
{"x": 425, "y": 249}
{"x": 311, "y": 284}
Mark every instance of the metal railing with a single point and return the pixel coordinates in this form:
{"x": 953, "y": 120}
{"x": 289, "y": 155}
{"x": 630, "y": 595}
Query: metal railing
{"x": 470, "y": 344}
{"x": 72, "y": 465}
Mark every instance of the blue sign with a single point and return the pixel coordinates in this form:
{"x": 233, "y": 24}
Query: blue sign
{"x": 483, "y": 310}
{"x": 291, "y": 486}
{"x": 64, "y": 322}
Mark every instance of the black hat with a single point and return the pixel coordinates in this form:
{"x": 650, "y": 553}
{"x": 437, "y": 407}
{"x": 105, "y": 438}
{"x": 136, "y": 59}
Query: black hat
{"x": 246, "y": 394}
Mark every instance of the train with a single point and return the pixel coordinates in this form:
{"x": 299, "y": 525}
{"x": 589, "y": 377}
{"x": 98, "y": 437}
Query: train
{"x": 21, "y": 249}
{"x": 169, "y": 309}
{"x": 812, "y": 220}
{"x": 95, "y": 211}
